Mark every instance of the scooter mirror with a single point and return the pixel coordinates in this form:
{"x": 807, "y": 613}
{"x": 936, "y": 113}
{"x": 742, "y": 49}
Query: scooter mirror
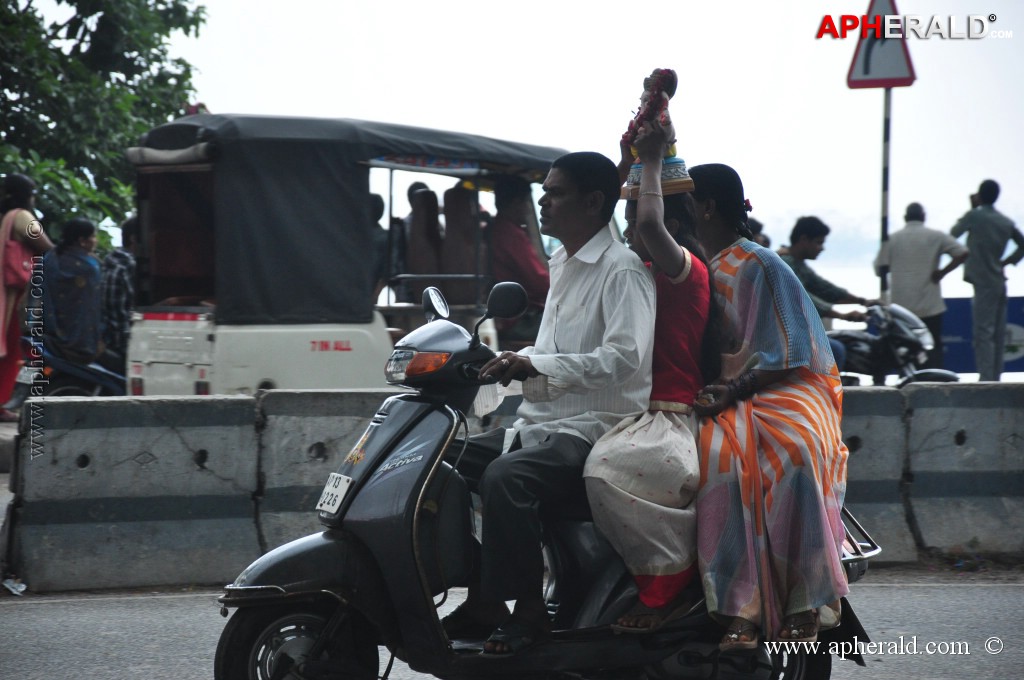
{"x": 434, "y": 304}
{"x": 507, "y": 300}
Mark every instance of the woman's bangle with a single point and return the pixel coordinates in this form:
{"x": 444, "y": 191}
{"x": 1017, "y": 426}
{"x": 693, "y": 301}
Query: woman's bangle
{"x": 651, "y": 193}
{"x": 742, "y": 387}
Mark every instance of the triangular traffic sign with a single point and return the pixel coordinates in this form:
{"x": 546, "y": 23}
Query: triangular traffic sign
{"x": 881, "y": 62}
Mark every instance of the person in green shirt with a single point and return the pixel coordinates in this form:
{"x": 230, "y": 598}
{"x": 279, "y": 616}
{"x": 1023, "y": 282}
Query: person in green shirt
{"x": 988, "y": 232}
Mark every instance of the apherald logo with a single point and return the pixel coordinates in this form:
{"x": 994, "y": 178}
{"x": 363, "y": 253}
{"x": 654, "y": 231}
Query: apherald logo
{"x": 975, "y": 27}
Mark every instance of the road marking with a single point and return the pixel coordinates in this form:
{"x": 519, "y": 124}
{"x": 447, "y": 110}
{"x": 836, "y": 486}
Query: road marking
{"x": 44, "y": 599}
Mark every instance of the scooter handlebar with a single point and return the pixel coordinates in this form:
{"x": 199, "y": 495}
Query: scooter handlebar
{"x": 472, "y": 372}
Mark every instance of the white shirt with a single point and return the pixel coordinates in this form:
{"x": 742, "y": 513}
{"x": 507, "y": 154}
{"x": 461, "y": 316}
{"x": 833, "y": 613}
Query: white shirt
{"x": 912, "y": 254}
{"x": 594, "y": 345}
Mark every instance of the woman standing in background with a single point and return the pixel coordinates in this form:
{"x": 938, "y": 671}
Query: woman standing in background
{"x": 19, "y": 223}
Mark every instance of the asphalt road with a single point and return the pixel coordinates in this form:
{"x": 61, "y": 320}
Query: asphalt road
{"x": 173, "y": 634}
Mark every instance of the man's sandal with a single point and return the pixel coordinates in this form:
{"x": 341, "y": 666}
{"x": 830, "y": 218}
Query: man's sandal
{"x": 465, "y": 623}
{"x": 515, "y": 635}
{"x": 800, "y": 627}
{"x": 741, "y": 635}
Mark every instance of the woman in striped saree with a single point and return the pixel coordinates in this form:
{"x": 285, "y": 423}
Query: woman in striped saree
{"x": 773, "y": 465}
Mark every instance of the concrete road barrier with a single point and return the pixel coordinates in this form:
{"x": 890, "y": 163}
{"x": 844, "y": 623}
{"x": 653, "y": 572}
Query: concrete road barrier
{"x": 966, "y": 450}
{"x": 8, "y": 431}
{"x": 126, "y": 492}
{"x": 303, "y": 437}
{"x": 118, "y": 492}
{"x": 876, "y": 434}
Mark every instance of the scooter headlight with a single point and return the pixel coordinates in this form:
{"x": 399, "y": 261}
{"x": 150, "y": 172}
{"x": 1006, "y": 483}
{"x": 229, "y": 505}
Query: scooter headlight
{"x": 407, "y": 363}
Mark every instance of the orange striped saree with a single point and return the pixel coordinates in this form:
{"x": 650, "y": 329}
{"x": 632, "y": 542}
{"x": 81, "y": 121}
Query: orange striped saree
{"x": 773, "y": 467}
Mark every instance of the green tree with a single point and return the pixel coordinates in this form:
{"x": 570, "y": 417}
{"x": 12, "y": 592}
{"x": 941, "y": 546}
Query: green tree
{"x": 75, "y": 94}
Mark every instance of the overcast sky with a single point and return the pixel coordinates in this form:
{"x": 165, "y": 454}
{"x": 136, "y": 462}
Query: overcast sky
{"x": 758, "y": 91}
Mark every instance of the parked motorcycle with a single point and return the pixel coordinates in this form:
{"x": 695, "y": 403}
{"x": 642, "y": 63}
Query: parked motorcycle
{"x": 897, "y": 342}
{"x": 45, "y": 374}
{"x": 399, "y": 534}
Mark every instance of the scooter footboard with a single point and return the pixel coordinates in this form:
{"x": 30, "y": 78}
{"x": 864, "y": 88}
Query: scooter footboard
{"x": 319, "y": 566}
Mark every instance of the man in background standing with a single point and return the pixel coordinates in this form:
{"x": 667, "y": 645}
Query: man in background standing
{"x": 912, "y": 257}
{"x": 379, "y": 270}
{"x": 118, "y": 290}
{"x": 988, "y": 231}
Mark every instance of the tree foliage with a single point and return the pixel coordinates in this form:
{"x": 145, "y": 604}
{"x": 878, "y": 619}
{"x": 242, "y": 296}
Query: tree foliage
{"x": 76, "y": 93}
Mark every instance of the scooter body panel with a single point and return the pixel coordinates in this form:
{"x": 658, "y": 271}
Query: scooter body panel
{"x": 392, "y": 422}
{"x": 413, "y": 515}
{"x": 600, "y": 589}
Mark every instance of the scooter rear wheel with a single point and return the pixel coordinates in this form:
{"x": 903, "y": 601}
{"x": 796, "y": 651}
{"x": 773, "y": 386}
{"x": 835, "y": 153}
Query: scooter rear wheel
{"x": 261, "y": 643}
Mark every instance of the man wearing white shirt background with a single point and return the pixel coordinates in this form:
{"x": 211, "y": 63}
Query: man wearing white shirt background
{"x": 590, "y": 368}
{"x": 912, "y": 256}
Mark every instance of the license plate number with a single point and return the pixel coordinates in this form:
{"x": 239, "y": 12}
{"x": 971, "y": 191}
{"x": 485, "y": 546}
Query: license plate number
{"x": 334, "y": 492}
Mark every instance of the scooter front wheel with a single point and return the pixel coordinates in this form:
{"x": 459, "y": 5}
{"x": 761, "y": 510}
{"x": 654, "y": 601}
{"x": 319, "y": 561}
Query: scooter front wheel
{"x": 261, "y": 643}
{"x": 803, "y": 665}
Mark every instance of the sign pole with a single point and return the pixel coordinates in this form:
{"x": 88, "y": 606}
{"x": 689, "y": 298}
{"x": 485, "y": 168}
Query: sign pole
{"x": 883, "y": 275}
{"x": 880, "y": 61}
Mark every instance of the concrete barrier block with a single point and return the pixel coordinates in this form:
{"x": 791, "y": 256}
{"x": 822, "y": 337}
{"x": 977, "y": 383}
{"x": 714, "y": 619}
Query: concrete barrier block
{"x": 966, "y": 444}
{"x": 7, "y": 433}
{"x": 875, "y": 432}
{"x": 125, "y": 492}
{"x": 304, "y": 437}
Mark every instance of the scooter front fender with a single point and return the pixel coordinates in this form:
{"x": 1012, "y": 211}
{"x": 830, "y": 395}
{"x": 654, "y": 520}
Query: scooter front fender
{"x": 330, "y": 564}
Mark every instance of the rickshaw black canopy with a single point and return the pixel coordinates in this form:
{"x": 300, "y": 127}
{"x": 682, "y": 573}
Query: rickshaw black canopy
{"x": 290, "y": 202}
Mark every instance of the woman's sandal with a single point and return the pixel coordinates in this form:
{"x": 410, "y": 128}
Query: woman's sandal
{"x": 741, "y": 635}
{"x": 800, "y": 627}
{"x": 649, "y": 619}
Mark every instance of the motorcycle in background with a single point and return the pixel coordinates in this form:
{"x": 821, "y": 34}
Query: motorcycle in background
{"x": 897, "y": 342}
{"x": 45, "y": 374}
{"x": 399, "y": 534}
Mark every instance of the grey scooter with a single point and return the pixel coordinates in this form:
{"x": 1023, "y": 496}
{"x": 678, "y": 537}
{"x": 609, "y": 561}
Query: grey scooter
{"x": 399, "y": 534}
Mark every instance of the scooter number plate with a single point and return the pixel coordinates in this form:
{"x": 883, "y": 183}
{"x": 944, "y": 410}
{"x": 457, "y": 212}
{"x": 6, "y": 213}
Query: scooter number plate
{"x": 334, "y": 492}
{"x": 24, "y": 376}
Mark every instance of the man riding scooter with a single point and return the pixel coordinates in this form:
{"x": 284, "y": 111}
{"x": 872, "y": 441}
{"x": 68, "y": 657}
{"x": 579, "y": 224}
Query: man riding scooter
{"x": 590, "y": 367}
